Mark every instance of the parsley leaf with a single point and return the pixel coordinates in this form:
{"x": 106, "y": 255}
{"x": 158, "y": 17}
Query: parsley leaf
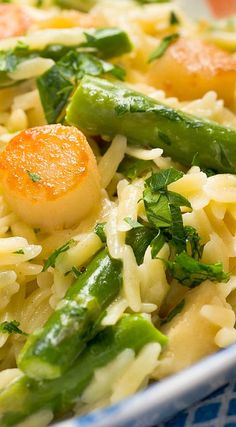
{"x": 19, "y": 252}
{"x": 10, "y": 59}
{"x": 100, "y": 231}
{"x": 157, "y": 243}
{"x": 51, "y": 261}
{"x": 132, "y": 222}
{"x": 176, "y": 310}
{"x": 193, "y": 242}
{"x": 177, "y": 229}
{"x": 178, "y": 200}
{"x": 76, "y": 271}
{"x": 157, "y": 208}
{"x": 163, "y": 207}
{"x": 57, "y": 84}
{"x": 191, "y": 273}
{"x": 174, "y": 20}
{"x": 164, "y": 214}
{"x": 132, "y": 168}
{"x": 11, "y": 327}
{"x": 139, "y": 239}
{"x": 163, "y": 46}
{"x": 162, "y": 179}
{"x": 34, "y": 176}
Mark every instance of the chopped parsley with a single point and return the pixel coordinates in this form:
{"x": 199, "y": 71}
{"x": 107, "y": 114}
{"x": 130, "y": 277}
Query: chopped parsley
{"x": 193, "y": 242}
{"x": 139, "y": 239}
{"x": 191, "y": 273}
{"x": 35, "y": 177}
{"x": 99, "y": 230}
{"x": 19, "y": 252}
{"x": 157, "y": 243}
{"x": 163, "y": 46}
{"x": 176, "y": 310}
{"x": 76, "y": 272}
{"x": 132, "y": 168}
{"x": 132, "y": 222}
{"x": 11, "y": 327}
{"x": 165, "y": 225}
{"x": 57, "y": 84}
{"x": 51, "y": 261}
{"x": 173, "y": 20}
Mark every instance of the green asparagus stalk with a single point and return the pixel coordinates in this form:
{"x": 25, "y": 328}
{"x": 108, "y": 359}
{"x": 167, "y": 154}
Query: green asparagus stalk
{"x": 50, "y": 351}
{"x": 99, "y": 107}
{"x": 104, "y": 42}
{"x": 26, "y": 396}
{"x": 83, "y": 5}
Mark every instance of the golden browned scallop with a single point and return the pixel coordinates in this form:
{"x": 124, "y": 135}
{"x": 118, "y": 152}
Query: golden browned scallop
{"x": 189, "y": 68}
{"x": 14, "y": 20}
{"x": 50, "y": 176}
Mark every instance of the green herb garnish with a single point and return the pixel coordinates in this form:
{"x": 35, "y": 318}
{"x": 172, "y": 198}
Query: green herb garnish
{"x": 174, "y": 20}
{"x": 164, "y": 214}
{"x": 163, "y": 46}
{"x": 157, "y": 243}
{"x": 100, "y": 231}
{"x": 193, "y": 241}
{"x": 51, "y": 261}
{"x": 11, "y": 327}
{"x": 57, "y": 84}
{"x": 35, "y": 177}
{"x": 139, "y": 239}
{"x": 176, "y": 310}
{"x": 19, "y": 252}
{"x": 133, "y": 223}
{"x": 132, "y": 168}
{"x": 76, "y": 272}
{"x": 191, "y": 273}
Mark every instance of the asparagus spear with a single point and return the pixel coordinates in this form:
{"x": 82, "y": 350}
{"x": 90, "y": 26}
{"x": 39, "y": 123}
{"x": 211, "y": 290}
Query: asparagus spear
{"x": 104, "y": 42}
{"x": 56, "y": 84}
{"x": 99, "y": 107}
{"x": 83, "y": 5}
{"x": 51, "y": 350}
{"x": 26, "y": 396}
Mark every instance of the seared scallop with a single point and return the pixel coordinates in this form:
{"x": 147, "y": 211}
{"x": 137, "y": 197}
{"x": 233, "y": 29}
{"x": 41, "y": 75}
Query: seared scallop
{"x": 14, "y": 20}
{"x": 50, "y": 176}
{"x": 189, "y": 68}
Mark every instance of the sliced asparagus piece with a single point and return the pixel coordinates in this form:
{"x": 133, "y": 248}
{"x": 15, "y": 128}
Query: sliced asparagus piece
{"x": 99, "y": 107}
{"x": 83, "y": 5}
{"x": 54, "y": 44}
{"x": 25, "y": 396}
{"x": 50, "y": 351}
